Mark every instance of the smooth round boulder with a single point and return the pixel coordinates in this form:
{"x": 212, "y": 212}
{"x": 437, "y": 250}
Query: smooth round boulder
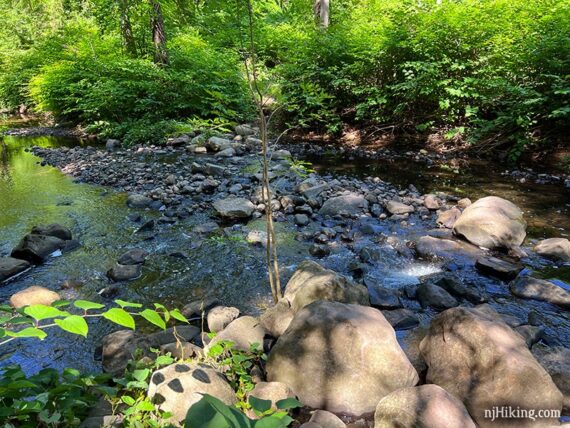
{"x": 177, "y": 387}
{"x": 425, "y": 406}
{"x": 554, "y": 248}
{"x": 528, "y": 287}
{"x": 312, "y": 282}
{"x": 121, "y": 272}
{"x": 326, "y": 419}
{"x": 243, "y": 332}
{"x": 483, "y": 362}
{"x": 10, "y": 267}
{"x": 276, "y": 319}
{"x": 37, "y": 248}
{"x": 34, "y": 295}
{"x": 220, "y": 316}
{"x": 136, "y": 256}
{"x": 492, "y": 222}
{"x": 398, "y": 208}
{"x": 234, "y": 208}
{"x": 56, "y": 230}
{"x": 138, "y": 201}
{"x": 340, "y": 357}
{"x": 350, "y": 204}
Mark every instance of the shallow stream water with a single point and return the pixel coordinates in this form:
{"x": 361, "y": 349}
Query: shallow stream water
{"x": 226, "y": 268}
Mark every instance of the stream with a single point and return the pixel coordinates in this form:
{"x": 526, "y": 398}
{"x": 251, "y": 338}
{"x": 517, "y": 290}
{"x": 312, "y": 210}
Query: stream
{"x": 184, "y": 266}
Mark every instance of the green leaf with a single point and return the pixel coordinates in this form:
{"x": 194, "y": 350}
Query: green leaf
{"x": 276, "y": 420}
{"x": 288, "y": 403}
{"x": 6, "y": 308}
{"x": 121, "y": 317}
{"x": 86, "y": 305}
{"x": 74, "y": 324}
{"x": 210, "y": 412}
{"x": 129, "y": 401}
{"x": 42, "y": 312}
{"x": 124, "y": 304}
{"x": 28, "y": 332}
{"x": 259, "y": 405}
{"x": 177, "y": 315}
{"x": 141, "y": 374}
{"x": 145, "y": 406}
{"x": 153, "y": 317}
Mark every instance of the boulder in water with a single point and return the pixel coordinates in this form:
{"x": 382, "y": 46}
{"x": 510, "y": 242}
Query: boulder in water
{"x": 54, "y": 229}
{"x": 34, "y": 295}
{"x": 37, "y": 248}
{"x": 350, "y": 204}
{"x": 554, "y": 248}
{"x": 234, "y": 208}
{"x": 10, "y": 266}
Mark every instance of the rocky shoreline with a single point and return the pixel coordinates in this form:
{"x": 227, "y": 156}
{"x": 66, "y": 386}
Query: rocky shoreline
{"x": 332, "y": 339}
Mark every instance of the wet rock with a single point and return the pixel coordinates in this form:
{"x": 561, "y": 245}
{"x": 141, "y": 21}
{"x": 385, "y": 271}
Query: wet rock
{"x": 430, "y": 295}
{"x": 136, "y": 256}
{"x": 401, "y": 319}
{"x": 226, "y": 153}
{"x": 428, "y": 247}
{"x": 10, "y": 267}
{"x": 302, "y": 220}
{"x": 244, "y": 130}
{"x": 196, "y": 307}
{"x": 382, "y": 297}
{"x": 425, "y": 406}
{"x": 34, "y": 295}
{"x": 178, "y": 141}
{"x": 112, "y": 144}
{"x": 501, "y": 269}
{"x": 206, "y": 228}
{"x": 554, "y": 248}
{"x": 311, "y": 190}
{"x": 56, "y": 230}
{"x": 464, "y": 203}
{"x": 281, "y": 155}
{"x": 121, "y": 272}
{"x": 328, "y": 345}
{"x": 146, "y": 227}
{"x": 530, "y": 334}
{"x": 138, "y": 201}
{"x": 243, "y": 332}
{"x": 178, "y": 386}
{"x": 398, "y": 208}
{"x": 319, "y": 250}
{"x": 257, "y": 237}
{"x": 350, "y": 204}
{"x": 528, "y": 287}
{"x": 448, "y": 218}
{"x": 220, "y": 316}
{"x": 556, "y": 361}
{"x": 484, "y": 363}
{"x": 431, "y": 202}
{"x": 37, "y": 248}
{"x": 492, "y": 222}
{"x": 326, "y": 419}
{"x": 277, "y": 318}
{"x": 234, "y": 208}
{"x": 455, "y": 287}
{"x": 312, "y": 282}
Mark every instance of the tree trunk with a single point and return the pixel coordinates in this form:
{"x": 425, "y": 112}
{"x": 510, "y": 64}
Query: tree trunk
{"x": 127, "y": 29}
{"x": 158, "y": 34}
{"x": 322, "y": 12}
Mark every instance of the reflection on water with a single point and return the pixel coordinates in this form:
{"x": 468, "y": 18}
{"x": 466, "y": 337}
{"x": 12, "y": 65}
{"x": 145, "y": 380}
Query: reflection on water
{"x": 546, "y": 206}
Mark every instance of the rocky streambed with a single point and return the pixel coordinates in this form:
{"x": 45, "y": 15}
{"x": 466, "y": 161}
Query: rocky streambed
{"x": 387, "y": 287}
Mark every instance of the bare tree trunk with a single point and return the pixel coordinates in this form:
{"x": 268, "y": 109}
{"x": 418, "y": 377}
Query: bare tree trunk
{"x": 158, "y": 34}
{"x": 126, "y": 28}
{"x": 322, "y": 12}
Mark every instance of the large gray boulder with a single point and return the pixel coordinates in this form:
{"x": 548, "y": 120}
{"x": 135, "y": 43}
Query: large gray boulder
{"x": 529, "y": 287}
{"x": 485, "y": 364}
{"x": 234, "y": 208}
{"x": 10, "y": 266}
{"x": 554, "y": 248}
{"x": 37, "y": 248}
{"x": 121, "y": 272}
{"x": 492, "y": 222}
{"x": 430, "y": 247}
{"x": 341, "y": 358}
{"x": 243, "y": 332}
{"x": 179, "y": 386}
{"x": 220, "y": 316}
{"x": 312, "y": 282}
{"x": 425, "y": 406}
{"x": 556, "y": 361}
{"x": 398, "y": 208}
{"x": 350, "y": 204}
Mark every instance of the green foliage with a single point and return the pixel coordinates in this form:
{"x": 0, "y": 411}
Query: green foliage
{"x": 210, "y": 412}
{"x": 48, "y": 398}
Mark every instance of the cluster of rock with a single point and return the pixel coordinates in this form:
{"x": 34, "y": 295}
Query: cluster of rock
{"x": 341, "y": 358}
{"x": 35, "y": 248}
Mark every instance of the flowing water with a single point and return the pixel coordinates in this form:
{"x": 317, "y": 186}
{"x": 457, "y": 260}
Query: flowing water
{"x": 226, "y": 268}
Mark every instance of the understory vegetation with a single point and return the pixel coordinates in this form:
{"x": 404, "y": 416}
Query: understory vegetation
{"x": 490, "y": 72}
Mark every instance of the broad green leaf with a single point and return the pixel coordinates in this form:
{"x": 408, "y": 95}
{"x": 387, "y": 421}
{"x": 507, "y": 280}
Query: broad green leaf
{"x": 153, "y": 317}
{"x": 124, "y": 304}
{"x": 129, "y": 401}
{"x": 121, "y": 317}
{"x": 163, "y": 360}
{"x": 42, "y": 312}
{"x": 141, "y": 374}
{"x": 28, "y": 332}
{"x": 74, "y": 324}
{"x": 86, "y": 305}
{"x": 259, "y": 405}
{"x": 145, "y": 406}
{"x": 276, "y": 420}
{"x": 288, "y": 403}
{"x": 177, "y": 315}
{"x": 205, "y": 414}
{"x": 6, "y": 308}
